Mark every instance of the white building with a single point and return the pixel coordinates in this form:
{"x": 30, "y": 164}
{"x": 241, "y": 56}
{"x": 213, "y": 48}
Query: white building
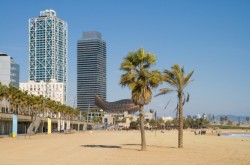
{"x": 48, "y": 49}
{"x": 149, "y": 116}
{"x": 168, "y": 118}
{"x": 52, "y": 89}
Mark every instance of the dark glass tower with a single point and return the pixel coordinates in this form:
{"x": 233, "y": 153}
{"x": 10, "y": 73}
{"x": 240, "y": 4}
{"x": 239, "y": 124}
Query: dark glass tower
{"x": 91, "y": 70}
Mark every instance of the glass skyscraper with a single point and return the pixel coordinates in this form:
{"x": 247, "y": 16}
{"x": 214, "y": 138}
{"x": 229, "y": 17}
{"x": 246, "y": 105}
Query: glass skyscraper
{"x": 48, "y": 49}
{"x": 91, "y": 70}
{"x": 9, "y": 71}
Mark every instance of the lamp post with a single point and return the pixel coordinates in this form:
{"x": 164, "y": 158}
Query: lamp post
{"x": 44, "y": 102}
{"x": 155, "y": 123}
{"x": 154, "y": 113}
{"x": 101, "y": 112}
{"x": 88, "y": 113}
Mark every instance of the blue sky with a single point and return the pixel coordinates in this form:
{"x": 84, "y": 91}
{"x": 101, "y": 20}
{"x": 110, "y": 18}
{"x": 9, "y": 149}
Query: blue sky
{"x": 211, "y": 37}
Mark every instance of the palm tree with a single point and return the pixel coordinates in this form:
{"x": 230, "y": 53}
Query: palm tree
{"x": 222, "y": 120}
{"x": 225, "y": 118}
{"x": 178, "y": 81}
{"x": 140, "y": 80}
{"x": 3, "y": 95}
{"x": 247, "y": 119}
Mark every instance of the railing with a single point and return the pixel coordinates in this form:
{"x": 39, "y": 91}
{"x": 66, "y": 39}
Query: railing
{"x": 8, "y": 116}
{"x": 5, "y": 116}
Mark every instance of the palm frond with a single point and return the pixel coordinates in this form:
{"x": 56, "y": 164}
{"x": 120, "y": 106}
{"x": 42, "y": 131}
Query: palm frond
{"x": 188, "y": 97}
{"x": 149, "y": 60}
{"x": 176, "y": 70}
{"x": 168, "y": 103}
{"x": 127, "y": 78}
{"x": 187, "y": 78}
{"x": 169, "y": 77}
{"x": 184, "y": 100}
{"x": 164, "y": 91}
{"x": 141, "y": 54}
{"x": 155, "y": 78}
{"x": 182, "y": 70}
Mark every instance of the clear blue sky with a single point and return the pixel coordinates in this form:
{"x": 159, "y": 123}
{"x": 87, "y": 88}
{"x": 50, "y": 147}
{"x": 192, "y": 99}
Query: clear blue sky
{"x": 211, "y": 37}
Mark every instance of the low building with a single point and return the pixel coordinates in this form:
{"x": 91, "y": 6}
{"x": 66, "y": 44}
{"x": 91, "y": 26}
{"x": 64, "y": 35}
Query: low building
{"x": 149, "y": 116}
{"x": 168, "y": 118}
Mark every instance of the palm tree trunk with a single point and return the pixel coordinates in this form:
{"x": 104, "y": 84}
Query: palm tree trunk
{"x": 180, "y": 131}
{"x": 1, "y": 105}
{"x": 143, "y": 139}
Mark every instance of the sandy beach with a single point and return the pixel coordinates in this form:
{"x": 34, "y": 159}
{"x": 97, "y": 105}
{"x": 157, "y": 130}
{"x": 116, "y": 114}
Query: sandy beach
{"x": 123, "y": 147}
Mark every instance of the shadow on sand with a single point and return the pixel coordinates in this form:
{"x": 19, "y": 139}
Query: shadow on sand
{"x": 147, "y": 145}
{"x": 126, "y": 148}
{"x": 110, "y": 146}
{"x": 100, "y": 146}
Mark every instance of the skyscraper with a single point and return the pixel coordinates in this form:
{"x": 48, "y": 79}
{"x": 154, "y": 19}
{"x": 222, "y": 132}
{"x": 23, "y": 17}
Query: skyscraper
{"x": 9, "y": 70}
{"x": 91, "y": 70}
{"x": 48, "y": 49}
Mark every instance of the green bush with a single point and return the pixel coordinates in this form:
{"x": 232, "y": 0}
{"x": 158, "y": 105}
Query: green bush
{"x": 134, "y": 125}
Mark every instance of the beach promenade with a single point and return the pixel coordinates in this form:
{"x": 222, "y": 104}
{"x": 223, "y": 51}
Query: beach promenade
{"x": 123, "y": 147}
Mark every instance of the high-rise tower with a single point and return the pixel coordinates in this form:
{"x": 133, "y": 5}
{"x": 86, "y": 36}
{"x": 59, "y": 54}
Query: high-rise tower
{"x": 91, "y": 70}
{"x": 9, "y": 70}
{"x": 48, "y": 49}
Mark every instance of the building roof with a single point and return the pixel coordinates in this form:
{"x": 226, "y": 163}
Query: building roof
{"x": 3, "y": 54}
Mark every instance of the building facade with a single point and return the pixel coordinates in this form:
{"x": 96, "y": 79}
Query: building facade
{"x": 48, "y": 49}
{"x": 9, "y": 70}
{"x": 91, "y": 70}
{"x": 52, "y": 89}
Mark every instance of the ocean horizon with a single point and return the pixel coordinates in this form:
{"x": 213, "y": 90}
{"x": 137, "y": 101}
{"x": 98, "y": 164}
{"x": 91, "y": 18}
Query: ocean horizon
{"x": 247, "y": 135}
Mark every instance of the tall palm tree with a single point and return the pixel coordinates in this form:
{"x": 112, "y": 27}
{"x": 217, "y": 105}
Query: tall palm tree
{"x": 140, "y": 80}
{"x": 11, "y": 98}
{"x": 178, "y": 81}
{"x": 26, "y": 102}
{"x": 2, "y": 95}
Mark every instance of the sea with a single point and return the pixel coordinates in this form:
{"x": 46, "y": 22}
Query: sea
{"x": 245, "y": 135}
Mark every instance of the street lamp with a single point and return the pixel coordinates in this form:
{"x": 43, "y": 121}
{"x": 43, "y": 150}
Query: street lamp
{"x": 154, "y": 113}
{"x": 101, "y": 112}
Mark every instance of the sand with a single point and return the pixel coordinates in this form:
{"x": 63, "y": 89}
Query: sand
{"x": 122, "y": 147}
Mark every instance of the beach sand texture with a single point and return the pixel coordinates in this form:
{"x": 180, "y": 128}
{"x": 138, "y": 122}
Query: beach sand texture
{"x": 123, "y": 148}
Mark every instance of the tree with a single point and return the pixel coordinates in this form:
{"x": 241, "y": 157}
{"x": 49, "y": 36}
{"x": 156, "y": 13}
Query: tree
{"x": 178, "y": 81}
{"x": 221, "y": 120}
{"x": 97, "y": 119}
{"x": 239, "y": 120}
{"x": 3, "y": 95}
{"x": 168, "y": 124}
{"x": 247, "y": 119}
{"x": 133, "y": 125}
{"x": 153, "y": 123}
{"x": 124, "y": 120}
{"x": 140, "y": 80}
{"x": 229, "y": 122}
{"x": 225, "y": 118}
{"x": 20, "y": 102}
